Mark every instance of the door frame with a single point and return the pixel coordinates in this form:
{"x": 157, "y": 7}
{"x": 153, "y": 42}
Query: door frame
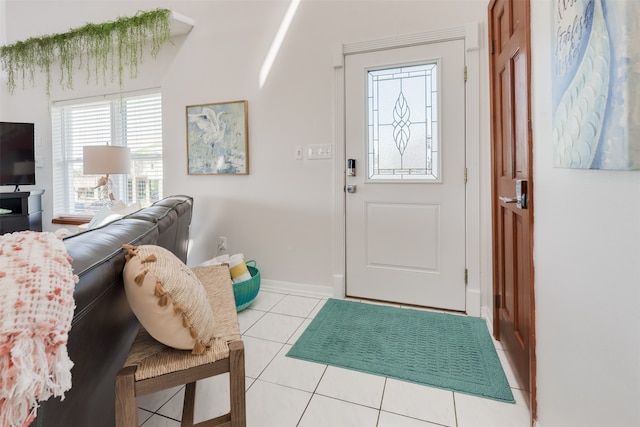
{"x": 470, "y": 33}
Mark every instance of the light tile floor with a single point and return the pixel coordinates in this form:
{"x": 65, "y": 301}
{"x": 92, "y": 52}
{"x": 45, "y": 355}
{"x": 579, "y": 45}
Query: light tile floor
{"x": 286, "y": 392}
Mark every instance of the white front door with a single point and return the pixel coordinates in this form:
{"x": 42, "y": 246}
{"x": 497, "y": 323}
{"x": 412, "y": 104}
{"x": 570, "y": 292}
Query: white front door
{"x": 405, "y": 206}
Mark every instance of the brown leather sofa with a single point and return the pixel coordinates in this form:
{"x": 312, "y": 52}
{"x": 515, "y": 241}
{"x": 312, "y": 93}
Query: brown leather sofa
{"x": 103, "y": 325}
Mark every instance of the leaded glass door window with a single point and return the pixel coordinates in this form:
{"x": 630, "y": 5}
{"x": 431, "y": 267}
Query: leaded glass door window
{"x": 402, "y": 123}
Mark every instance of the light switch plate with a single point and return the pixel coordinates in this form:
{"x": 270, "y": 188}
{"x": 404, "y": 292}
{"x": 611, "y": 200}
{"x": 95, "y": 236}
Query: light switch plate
{"x": 319, "y": 151}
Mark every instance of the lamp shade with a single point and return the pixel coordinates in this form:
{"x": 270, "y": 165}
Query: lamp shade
{"x": 105, "y": 159}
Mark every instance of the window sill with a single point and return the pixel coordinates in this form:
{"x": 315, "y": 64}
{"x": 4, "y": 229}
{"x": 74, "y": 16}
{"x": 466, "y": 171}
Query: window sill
{"x": 72, "y": 220}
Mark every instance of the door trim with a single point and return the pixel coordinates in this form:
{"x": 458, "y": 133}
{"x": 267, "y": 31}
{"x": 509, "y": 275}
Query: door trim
{"x": 470, "y": 33}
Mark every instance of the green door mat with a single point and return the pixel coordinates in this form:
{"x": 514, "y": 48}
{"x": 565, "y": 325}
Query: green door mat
{"x": 435, "y": 349}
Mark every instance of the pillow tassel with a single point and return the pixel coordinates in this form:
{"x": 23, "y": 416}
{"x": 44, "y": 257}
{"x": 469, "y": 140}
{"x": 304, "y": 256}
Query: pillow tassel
{"x": 163, "y": 301}
{"x": 131, "y": 251}
{"x": 163, "y": 298}
{"x": 140, "y": 277}
{"x": 193, "y": 332}
{"x": 159, "y": 290}
{"x": 186, "y": 323}
{"x": 198, "y": 348}
{"x": 150, "y": 258}
{"x": 178, "y": 309}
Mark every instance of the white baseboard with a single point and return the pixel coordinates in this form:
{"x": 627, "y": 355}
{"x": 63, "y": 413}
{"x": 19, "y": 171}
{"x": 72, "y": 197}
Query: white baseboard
{"x": 487, "y": 314}
{"x": 473, "y": 303}
{"x": 339, "y": 290}
{"x": 297, "y": 288}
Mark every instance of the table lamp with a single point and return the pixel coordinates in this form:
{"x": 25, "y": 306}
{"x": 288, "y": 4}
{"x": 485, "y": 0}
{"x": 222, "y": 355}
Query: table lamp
{"x": 105, "y": 159}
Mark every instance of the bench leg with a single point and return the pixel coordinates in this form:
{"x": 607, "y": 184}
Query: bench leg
{"x": 188, "y": 408}
{"x": 236, "y": 384}
{"x": 126, "y": 407}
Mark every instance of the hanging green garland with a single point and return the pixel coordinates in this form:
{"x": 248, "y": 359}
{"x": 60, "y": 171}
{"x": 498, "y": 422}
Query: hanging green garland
{"x": 103, "y": 49}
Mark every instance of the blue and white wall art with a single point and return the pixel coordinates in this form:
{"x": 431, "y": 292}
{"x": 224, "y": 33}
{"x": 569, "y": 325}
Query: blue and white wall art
{"x": 596, "y": 84}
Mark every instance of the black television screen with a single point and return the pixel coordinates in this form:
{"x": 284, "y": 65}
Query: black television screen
{"x": 17, "y": 154}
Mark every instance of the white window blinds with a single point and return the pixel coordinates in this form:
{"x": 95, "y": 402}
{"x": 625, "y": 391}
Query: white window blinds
{"x": 134, "y": 122}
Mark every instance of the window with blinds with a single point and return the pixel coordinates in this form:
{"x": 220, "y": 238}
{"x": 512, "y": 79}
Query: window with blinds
{"x": 134, "y": 122}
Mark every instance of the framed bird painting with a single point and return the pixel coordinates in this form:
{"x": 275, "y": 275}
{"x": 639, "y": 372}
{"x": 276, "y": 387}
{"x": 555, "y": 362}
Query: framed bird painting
{"x": 218, "y": 139}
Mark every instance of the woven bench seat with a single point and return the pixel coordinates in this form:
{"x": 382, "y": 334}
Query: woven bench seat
{"x": 151, "y": 366}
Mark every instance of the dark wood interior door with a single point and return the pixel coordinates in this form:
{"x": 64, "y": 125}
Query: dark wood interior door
{"x": 511, "y": 167}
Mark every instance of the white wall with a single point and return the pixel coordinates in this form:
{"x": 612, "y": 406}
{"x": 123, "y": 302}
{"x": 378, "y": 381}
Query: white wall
{"x": 587, "y": 275}
{"x": 281, "y": 214}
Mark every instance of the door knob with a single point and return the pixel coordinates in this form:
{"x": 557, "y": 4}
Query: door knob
{"x": 351, "y": 188}
{"x": 521, "y": 195}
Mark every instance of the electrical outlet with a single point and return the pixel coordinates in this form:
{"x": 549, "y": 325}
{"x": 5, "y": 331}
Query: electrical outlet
{"x": 222, "y": 243}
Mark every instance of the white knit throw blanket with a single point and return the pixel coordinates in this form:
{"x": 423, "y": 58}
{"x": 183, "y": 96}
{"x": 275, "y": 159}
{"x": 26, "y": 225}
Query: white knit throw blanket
{"x": 36, "y": 308}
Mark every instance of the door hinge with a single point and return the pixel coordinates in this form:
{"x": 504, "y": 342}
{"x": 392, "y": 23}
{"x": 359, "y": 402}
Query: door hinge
{"x": 466, "y": 276}
{"x": 466, "y": 175}
{"x": 496, "y": 301}
{"x": 493, "y": 47}
{"x": 465, "y": 73}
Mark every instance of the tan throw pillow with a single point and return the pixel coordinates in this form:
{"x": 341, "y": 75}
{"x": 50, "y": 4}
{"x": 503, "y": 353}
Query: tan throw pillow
{"x": 168, "y": 298}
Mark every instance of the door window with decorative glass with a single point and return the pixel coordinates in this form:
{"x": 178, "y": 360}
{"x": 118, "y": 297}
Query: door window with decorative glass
{"x": 403, "y": 137}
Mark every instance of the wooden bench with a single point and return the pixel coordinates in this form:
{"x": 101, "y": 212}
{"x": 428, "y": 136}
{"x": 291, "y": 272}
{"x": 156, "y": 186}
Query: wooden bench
{"x": 151, "y": 366}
